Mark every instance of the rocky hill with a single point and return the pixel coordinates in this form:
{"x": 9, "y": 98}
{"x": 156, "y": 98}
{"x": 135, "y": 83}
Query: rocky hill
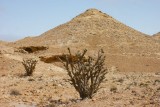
{"x": 94, "y": 29}
{"x": 125, "y": 47}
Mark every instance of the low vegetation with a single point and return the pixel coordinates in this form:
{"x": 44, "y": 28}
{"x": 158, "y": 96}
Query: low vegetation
{"x": 85, "y": 75}
{"x": 29, "y": 65}
{"x": 113, "y": 89}
{"x": 15, "y": 92}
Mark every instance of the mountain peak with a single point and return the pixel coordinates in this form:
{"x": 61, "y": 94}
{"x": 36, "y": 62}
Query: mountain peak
{"x": 92, "y": 13}
{"x": 93, "y": 10}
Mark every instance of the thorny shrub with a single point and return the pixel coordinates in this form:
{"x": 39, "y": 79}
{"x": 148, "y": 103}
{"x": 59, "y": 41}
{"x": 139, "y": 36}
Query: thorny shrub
{"x": 29, "y": 65}
{"x": 86, "y": 74}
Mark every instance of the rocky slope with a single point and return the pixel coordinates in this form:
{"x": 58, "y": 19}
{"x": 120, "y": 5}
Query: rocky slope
{"x": 125, "y": 48}
{"x": 156, "y": 36}
{"x": 94, "y": 29}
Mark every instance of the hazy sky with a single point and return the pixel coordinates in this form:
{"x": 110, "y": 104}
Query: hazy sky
{"x": 21, "y": 18}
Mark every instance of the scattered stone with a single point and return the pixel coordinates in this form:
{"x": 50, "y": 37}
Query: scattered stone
{"x": 31, "y": 79}
{"x": 157, "y": 73}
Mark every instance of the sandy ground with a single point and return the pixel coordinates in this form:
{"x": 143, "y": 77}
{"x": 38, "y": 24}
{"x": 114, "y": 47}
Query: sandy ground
{"x": 49, "y": 87}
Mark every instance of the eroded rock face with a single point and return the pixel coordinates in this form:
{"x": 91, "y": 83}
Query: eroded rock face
{"x": 53, "y": 58}
{"x": 32, "y": 49}
{"x": 58, "y": 58}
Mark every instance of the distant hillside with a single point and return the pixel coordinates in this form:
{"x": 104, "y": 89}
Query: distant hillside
{"x": 94, "y": 29}
{"x": 156, "y": 36}
{"x": 2, "y": 42}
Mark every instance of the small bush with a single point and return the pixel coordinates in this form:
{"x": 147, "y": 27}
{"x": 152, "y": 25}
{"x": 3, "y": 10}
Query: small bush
{"x": 120, "y": 80}
{"x": 113, "y": 89}
{"x": 143, "y": 85}
{"x": 15, "y": 92}
{"x": 86, "y": 74}
{"x": 29, "y": 65}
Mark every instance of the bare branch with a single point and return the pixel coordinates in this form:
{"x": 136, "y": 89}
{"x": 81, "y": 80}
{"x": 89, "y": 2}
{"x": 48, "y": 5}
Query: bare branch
{"x": 86, "y": 75}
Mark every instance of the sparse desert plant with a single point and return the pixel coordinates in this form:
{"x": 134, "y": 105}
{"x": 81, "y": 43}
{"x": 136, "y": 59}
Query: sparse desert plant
{"x": 15, "y": 92}
{"x": 113, "y": 89}
{"x": 131, "y": 85}
{"x": 120, "y": 80}
{"x": 143, "y": 84}
{"x": 29, "y": 65}
{"x": 86, "y": 74}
